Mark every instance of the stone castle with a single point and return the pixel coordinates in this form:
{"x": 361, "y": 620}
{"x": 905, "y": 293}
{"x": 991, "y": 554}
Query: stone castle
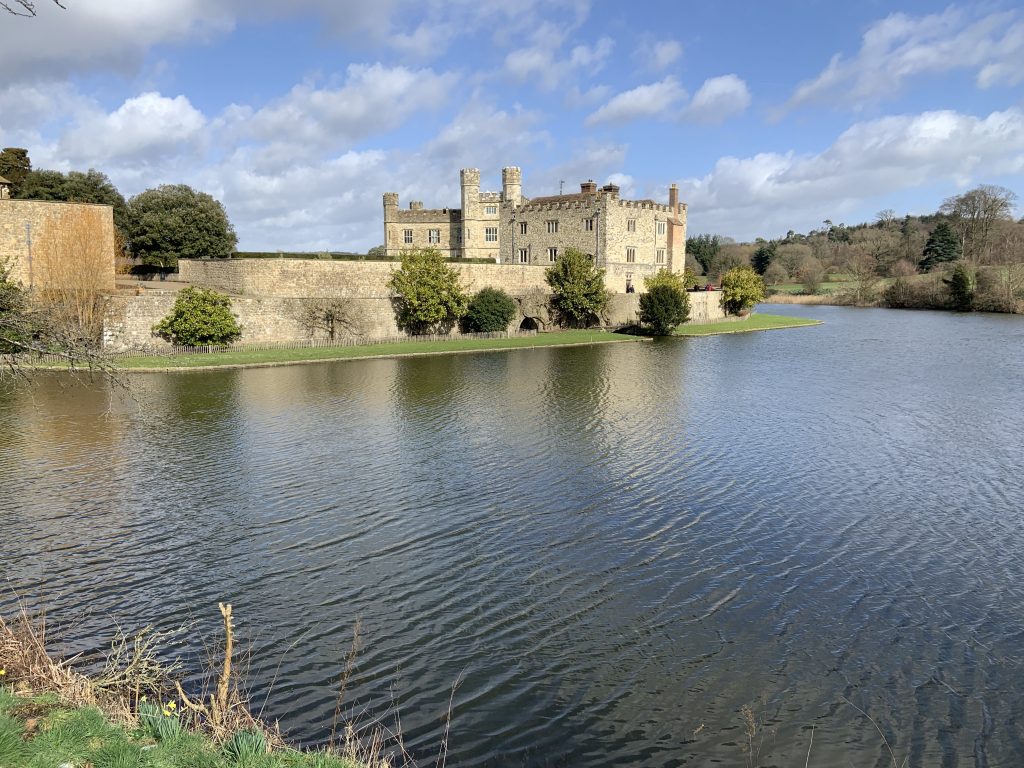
{"x": 630, "y": 239}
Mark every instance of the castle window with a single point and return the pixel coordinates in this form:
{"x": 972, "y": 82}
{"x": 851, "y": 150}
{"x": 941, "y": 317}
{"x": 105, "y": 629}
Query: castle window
{"x": 522, "y": 227}
{"x": 491, "y": 234}
{"x": 661, "y": 227}
{"x": 434, "y": 236}
{"x": 524, "y": 256}
{"x": 552, "y": 254}
{"x": 660, "y": 256}
{"x": 490, "y": 210}
{"x": 552, "y": 227}
{"x": 630, "y": 255}
{"x": 631, "y": 225}
{"x": 588, "y": 225}
{"x": 407, "y": 237}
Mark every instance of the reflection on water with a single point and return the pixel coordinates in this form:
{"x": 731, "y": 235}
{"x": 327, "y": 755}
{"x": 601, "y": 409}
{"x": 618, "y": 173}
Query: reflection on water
{"x": 616, "y": 548}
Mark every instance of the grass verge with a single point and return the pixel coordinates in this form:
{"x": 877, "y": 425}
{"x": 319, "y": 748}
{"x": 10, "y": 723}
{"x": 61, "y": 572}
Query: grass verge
{"x": 755, "y": 322}
{"x": 295, "y": 355}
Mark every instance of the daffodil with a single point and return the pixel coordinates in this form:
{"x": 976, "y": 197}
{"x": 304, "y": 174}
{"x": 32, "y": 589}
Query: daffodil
{"x": 167, "y": 712}
{"x": 3, "y": 672}
{"x": 171, "y": 705}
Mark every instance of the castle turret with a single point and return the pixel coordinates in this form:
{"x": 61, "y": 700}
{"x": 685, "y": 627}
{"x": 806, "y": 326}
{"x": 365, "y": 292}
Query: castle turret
{"x": 511, "y": 185}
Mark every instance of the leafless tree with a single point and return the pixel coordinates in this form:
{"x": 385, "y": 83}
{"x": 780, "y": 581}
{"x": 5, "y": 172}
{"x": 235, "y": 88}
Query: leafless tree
{"x": 24, "y": 7}
{"x": 975, "y": 213}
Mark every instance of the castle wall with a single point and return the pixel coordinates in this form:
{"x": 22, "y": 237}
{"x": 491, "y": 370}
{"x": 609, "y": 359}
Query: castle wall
{"x": 72, "y": 244}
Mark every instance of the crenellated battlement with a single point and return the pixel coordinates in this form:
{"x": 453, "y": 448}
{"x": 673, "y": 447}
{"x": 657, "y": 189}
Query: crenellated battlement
{"x": 427, "y": 215}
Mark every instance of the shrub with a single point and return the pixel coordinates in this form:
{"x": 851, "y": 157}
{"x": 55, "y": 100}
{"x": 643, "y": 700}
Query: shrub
{"x": 742, "y": 288}
{"x": 811, "y": 273}
{"x": 961, "y": 288}
{"x": 428, "y": 292}
{"x": 775, "y": 274}
{"x": 578, "y": 288}
{"x": 490, "y": 310}
{"x": 200, "y": 316}
{"x": 664, "y": 307}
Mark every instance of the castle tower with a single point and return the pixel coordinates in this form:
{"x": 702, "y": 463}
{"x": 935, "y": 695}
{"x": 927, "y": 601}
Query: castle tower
{"x": 472, "y": 213}
{"x": 511, "y": 185}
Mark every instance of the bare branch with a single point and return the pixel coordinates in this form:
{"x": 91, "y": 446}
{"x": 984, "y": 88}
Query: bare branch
{"x": 25, "y": 7}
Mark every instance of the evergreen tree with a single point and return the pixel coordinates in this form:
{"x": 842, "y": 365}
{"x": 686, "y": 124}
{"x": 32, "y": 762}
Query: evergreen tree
{"x": 15, "y": 165}
{"x": 961, "y": 288}
{"x": 763, "y": 256}
{"x": 942, "y": 246}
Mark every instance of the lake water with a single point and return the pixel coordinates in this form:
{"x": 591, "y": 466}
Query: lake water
{"x": 615, "y": 548}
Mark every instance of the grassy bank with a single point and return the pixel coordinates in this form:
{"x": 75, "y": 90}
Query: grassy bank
{"x": 755, "y": 322}
{"x": 297, "y": 355}
{"x": 45, "y": 731}
{"x": 134, "y": 713}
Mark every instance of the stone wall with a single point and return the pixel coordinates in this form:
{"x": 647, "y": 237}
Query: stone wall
{"x": 58, "y": 244}
{"x": 277, "y": 319}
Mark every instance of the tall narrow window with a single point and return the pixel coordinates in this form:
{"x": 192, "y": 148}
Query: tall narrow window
{"x": 522, "y": 227}
{"x": 661, "y": 227}
{"x": 631, "y": 225}
{"x": 407, "y": 236}
{"x": 588, "y": 225}
{"x": 630, "y": 255}
{"x": 433, "y": 236}
{"x": 524, "y": 256}
{"x": 552, "y": 226}
{"x": 552, "y": 254}
{"x": 491, "y": 234}
{"x": 490, "y": 210}
{"x": 660, "y": 256}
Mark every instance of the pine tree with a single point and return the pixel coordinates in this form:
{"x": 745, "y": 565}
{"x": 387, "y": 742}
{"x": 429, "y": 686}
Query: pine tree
{"x": 942, "y": 246}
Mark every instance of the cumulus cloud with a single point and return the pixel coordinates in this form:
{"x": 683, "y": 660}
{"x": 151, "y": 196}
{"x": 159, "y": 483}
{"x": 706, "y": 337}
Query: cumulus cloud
{"x": 372, "y": 99}
{"x": 718, "y": 99}
{"x": 900, "y": 47}
{"x": 774, "y": 192}
{"x": 645, "y": 101}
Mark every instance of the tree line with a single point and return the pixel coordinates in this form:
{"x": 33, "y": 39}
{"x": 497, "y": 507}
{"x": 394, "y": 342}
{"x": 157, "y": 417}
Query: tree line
{"x": 968, "y": 254}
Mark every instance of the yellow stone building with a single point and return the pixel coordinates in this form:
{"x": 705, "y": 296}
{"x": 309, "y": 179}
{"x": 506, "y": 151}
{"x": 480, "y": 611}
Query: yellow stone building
{"x": 630, "y": 239}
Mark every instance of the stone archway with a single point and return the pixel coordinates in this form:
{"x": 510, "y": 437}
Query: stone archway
{"x": 529, "y": 324}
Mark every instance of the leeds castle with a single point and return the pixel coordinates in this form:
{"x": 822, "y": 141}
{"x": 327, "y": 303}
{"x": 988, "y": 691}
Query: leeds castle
{"x": 628, "y": 238}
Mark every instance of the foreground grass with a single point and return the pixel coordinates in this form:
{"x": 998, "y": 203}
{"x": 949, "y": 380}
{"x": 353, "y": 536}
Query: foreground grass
{"x": 755, "y": 322}
{"x": 289, "y": 355}
{"x": 42, "y": 731}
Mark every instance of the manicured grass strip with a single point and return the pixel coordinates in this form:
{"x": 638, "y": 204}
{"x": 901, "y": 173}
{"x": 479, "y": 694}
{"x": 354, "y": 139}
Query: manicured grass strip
{"x": 272, "y": 356}
{"x": 756, "y": 322}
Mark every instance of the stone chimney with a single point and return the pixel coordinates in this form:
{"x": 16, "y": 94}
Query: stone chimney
{"x": 673, "y": 198}
{"x": 588, "y": 187}
{"x": 612, "y": 190}
{"x": 415, "y": 205}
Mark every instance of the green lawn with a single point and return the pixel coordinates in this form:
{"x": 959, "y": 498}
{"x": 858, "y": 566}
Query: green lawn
{"x": 42, "y": 732}
{"x": 273, "y": 356}
{"x": 755, "y": 322}
{"x": 798, "y": 288}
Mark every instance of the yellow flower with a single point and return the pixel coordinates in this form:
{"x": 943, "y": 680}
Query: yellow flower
{"x": 167, "y": 713}
{"x": 3, "y": 672}
{"x": 171, "y": 705}
{"x": 143, "y": 699}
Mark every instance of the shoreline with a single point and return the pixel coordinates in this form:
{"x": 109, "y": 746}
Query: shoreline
{"x": 754, "y": 322}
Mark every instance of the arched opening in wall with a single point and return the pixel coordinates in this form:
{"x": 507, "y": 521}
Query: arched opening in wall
{"x": 528, "y": 324}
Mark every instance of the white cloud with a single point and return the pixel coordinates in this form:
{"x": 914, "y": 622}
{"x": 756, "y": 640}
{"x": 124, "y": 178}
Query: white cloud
{"x": 772, "y": 192}
{"x": 543, "y": 63}
{"x": 661, "y": 54}
{"x": 645, "y": 101}
{"x": 373, "y": 99}
{"x": 718, "y": 99}
{"x": 143, "y": 129}
{"x": 900, "y": 47}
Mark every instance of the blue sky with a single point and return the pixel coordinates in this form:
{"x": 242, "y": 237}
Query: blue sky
{"x": 299, "y": 115}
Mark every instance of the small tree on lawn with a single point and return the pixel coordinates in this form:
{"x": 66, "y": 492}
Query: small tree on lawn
{"x": 428, "y": 292}
{"x": 174, "y": 222}
{"x": 664, "y": 307}
{"x": 742, "y": 288}
{"x": 578, "y": 288}
{"x": 200, "y": 317}
{"x": 489, "y": 311}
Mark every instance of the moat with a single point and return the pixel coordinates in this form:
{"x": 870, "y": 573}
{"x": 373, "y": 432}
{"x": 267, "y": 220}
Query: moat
{"x": 616, "y": 547}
